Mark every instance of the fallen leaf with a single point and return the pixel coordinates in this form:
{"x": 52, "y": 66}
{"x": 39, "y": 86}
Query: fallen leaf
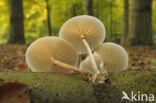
{"x": 21, "y": 68}
{"x": 13, "y": 92}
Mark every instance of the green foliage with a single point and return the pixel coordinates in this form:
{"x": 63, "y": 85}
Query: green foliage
{"x": 35, "y": 17}
{"x": 104, "y": 14}
{"x": 154, "y": 20}
{"x": 4, "y": 21}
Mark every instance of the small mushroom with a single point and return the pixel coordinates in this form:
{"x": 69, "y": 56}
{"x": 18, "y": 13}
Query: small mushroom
{"x": 85, "y": 33}
{"x": 51, "y": 54}
{"x": 108, "y": 56}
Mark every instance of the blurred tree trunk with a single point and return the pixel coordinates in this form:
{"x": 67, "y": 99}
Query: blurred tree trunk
{"x": 16, "y": 22}
{"x": 48, "y": 18}
{"x": 141, "y": 26}
{"x": 88, "y": 5}
{"x": 126, "y": 22}
{"x": 97, "y": 7}
{"x": 111, "y": 20}
{"x": 74, "y": 13}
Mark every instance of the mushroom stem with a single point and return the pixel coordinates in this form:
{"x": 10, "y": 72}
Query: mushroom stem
{"x": 94, "y": 66}
{"x": 69, "y": 67}
{"x": 79, "y": 60}
{"x": 101, "y": 66}
{"x": 96, "y": 78}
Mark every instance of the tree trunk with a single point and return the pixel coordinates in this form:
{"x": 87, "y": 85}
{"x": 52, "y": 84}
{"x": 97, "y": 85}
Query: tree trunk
{"x": 57, "y": 88}
{"x": 16, "y": 22}
{"x": 97, "y": 7}
{"x": 126, "y": 22}
{"x": 48, "y": 18}
{"x": 88, "y": 5}
{"x": 141, "y": 26}
{"x": 111, "y": 20}
{"x": 74, "y": 9}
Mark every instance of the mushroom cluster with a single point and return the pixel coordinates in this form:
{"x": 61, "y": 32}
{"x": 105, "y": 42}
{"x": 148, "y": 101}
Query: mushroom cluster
{"x": 109, "y": 56}
{"x": 79, "y": 35}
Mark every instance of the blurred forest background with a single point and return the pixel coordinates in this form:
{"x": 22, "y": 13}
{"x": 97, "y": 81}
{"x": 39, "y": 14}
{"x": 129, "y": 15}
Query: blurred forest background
{"x": 131, "y": 23}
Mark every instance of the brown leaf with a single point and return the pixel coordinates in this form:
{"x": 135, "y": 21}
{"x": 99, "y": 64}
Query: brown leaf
{"x": 0, "y": 62}
{"x": 13, "y": 92}
{"x": 135, "y": 58}
{"x": 1, "y": 81}
{"x": 22, "y": 68}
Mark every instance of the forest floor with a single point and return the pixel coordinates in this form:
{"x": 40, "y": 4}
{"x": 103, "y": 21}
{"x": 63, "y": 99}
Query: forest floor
{"x": 12, "y": 58}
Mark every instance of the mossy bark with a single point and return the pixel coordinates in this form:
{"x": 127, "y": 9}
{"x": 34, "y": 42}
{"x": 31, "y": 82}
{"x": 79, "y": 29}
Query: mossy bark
{"x": 57, "y": 88}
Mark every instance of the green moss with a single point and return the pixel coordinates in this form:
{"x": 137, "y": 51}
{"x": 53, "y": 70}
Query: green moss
{"x": 53, "y": 88}
{"x": 153, "y": 63}
{"x": 135, "y": 81}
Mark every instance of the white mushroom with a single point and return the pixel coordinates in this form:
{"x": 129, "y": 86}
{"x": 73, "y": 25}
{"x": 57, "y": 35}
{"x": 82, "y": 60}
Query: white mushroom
{"x": 111, "y": 56}
{"x": 85, "y": 33}
{"x": 51, "y": 54}
{"x": 86, "y": 64}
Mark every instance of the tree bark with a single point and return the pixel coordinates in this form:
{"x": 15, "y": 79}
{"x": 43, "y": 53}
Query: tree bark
{"x": 88, "y": 6}
{"x": 111, "y": 20}
{"x": 125, "y": 22}
{"x": 48, "y": 18}
{"x": 57, "y": 88}
{"x": 97, "y": 7}
{"x": 141, "y": 26}
{"x": 74, "y": 9}
{"x": 16, "y": 22}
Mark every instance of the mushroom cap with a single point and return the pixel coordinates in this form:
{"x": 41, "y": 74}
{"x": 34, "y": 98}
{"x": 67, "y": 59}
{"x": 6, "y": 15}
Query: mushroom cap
{"x": 90, "y": 27}
{"x": 86, "y": 64}
{"x": 114, "y": 57}
{"x": 41, "y": 51}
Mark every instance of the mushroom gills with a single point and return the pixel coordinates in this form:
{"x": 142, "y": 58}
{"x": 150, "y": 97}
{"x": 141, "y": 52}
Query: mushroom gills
{"x": 40, "y": 53}
{"x": 85, "y": 33}
{"x": 109, "y": 56}
{"x": 83, "y": 27}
